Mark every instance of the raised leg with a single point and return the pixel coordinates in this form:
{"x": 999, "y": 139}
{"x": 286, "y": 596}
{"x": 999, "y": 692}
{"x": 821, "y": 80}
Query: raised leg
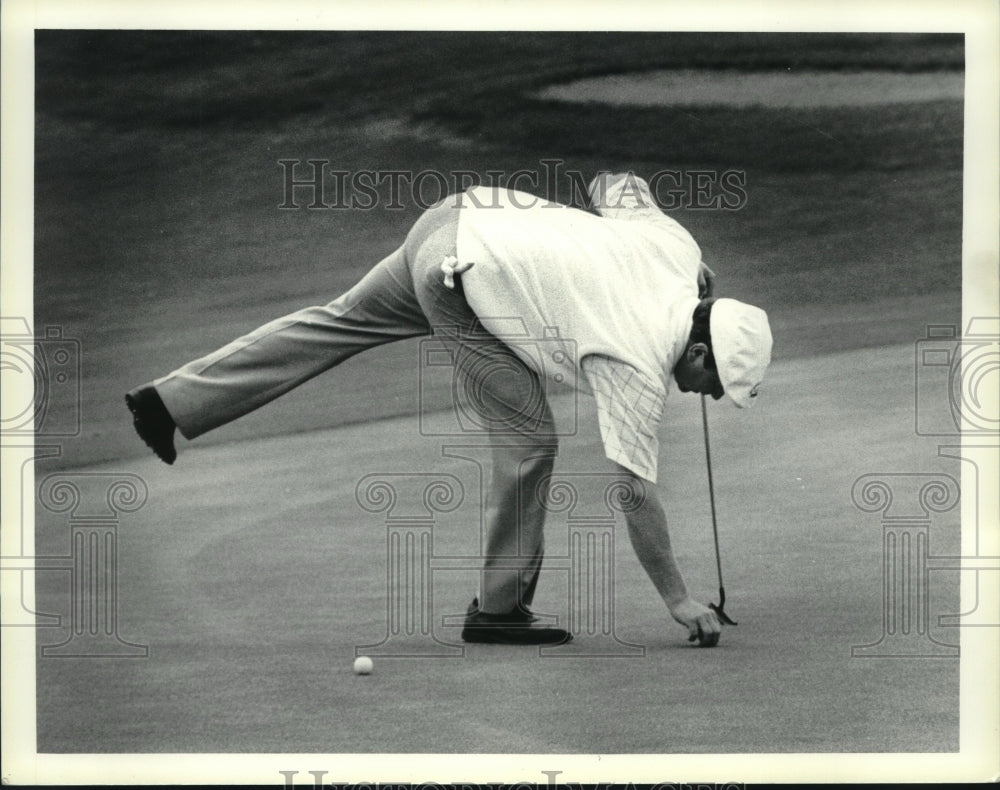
{"x": 258, "y": 367}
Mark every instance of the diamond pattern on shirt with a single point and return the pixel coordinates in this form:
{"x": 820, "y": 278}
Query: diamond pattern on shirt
{"x": 629, "y": 410}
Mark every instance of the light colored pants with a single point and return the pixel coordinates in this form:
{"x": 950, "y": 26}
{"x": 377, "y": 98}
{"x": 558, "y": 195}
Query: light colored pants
{"x": 403, "y": 296}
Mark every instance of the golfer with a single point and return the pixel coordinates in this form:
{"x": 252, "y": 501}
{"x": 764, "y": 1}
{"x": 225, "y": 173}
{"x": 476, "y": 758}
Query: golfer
{"x": 627, "y": 294}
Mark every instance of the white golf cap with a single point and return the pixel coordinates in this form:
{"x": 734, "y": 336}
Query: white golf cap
{"x": 741, "y": 343}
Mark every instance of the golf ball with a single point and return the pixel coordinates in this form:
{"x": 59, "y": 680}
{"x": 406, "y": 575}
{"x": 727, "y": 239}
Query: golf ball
{"x": 363, "y": 665}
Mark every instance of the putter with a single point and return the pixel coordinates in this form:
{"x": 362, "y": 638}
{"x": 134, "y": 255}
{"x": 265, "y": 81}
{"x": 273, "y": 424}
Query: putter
{"x": 719, "y": 610}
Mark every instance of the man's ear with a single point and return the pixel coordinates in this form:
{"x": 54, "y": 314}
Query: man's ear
{"x": 695, "y": 351}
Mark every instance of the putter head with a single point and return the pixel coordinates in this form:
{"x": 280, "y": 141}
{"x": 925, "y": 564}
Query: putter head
{"x": 721, "y": 614}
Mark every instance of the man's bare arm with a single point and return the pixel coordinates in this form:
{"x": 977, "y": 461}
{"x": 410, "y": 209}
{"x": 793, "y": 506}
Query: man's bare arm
{"x": 647, "y": 529}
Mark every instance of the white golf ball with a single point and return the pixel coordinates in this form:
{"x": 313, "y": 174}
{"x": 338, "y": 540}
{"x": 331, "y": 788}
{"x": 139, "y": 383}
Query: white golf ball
{"x": 363, "y": 665}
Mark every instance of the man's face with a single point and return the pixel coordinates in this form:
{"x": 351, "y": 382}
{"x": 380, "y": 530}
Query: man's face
{"x": 691, "y": 374}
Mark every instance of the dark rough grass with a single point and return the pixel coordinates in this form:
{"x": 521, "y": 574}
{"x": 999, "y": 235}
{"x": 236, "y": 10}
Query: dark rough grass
{"x": 239, "y": 80}
{"x": 893, "y": 137}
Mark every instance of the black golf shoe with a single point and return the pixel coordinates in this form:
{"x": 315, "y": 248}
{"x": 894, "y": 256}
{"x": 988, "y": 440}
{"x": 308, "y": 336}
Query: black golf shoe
{"x": 152, "y": 421}
{"x": 512, "y": 628}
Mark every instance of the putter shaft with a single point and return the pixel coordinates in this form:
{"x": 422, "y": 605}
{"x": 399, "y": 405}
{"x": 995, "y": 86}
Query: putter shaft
{"x": 715, "y": 529}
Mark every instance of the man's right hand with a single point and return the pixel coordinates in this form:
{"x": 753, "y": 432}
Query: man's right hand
{"x": 701, "y": 622}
